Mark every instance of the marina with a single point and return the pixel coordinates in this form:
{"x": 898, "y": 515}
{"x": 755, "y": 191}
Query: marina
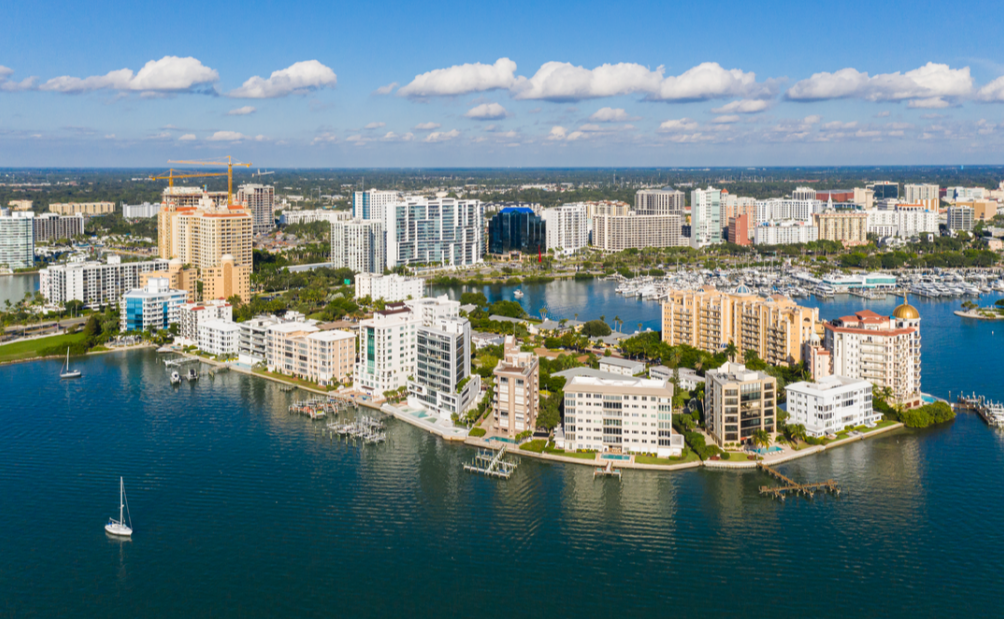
{"x": 990, "y": 412}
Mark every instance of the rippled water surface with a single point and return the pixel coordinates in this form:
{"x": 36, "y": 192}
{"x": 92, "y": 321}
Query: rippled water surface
{"x": 240, "y": 509}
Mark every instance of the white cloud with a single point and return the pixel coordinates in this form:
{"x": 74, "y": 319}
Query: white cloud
{"x": 559, "y": 133}
{"x": 390, "y": 136}
{"x": 462, "y": 79}
{"x": 442, "y": 136}
{"x": 883, "y": 114}
{"x": 429, "y": 126}
{"x": 227, "y": 136}
{"x": 6, "y": 85}
{"x": 242, "y": 111}
{"x": 726, "y": 120}
{"x": 923, "y": 87}
{"x": 563, "y": 81}
{"x": 836, "y": 124}
{"x": 743, "y": 106}
{"x": 299, "y": 77}
{"x": 188, "y": 137}
{"x": 487, "y": 111}
{"x": 355, "y": 138}
{"x": 169, "y": 74}
{"x": 681, "y": 124}
{"x": 931, "y": 103}
{"x": 375, "y": 125}
{"x": 386, "y": 90}
{"x": 709, "y": 80}
{"x": 324, "y": 138}
{"x": 992, "y": 92}
{"x": 163, "y": 135}
{"x": 611, "y": 115}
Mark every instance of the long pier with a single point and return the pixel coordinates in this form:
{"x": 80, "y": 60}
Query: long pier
{"x": 492, "y": 463}
{"x": 790, "y": 485}
{"x": 991, "y": 412}
{"x": 319, "y": 407}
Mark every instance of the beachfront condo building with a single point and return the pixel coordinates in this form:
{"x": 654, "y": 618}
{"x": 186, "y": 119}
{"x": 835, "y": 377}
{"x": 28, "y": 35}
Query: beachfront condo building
{"x": 218, "y": 337}
{"x": 17, "y": 239}
{"x": 442, "y": 382}
{"x": 659, "y": 201}
{"x": 775, "y": 328}
{"x": 884, "y": 350}
{"x": 737, "y": 403}
{"x": 516, "y": 397}
{"x": 620, "y": 415}
{"x": 99, "y": 283}
{"x": 433, "y": 231}
{"x": 303, "y": 350}
{"x": 386, "y": 350}
{"x": 191, "y": 315}
{"x": 831, "y": 404}
{"x": 390, "y": 288}
{"x": 567, "y": 228}
{"x": 260, "y": 201}
{"x": 358, "y": 245}
{"x": 705, "y": 217}
{"x": 83, "y": 208}
{"x": 154, "y": 307}
{"x": 212, "y": 237}
{"x": 615, "y": 234}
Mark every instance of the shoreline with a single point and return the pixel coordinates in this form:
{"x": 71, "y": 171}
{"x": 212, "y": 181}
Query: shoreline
{"x": 87, "y": 354}
{"x": 977, "y": 316}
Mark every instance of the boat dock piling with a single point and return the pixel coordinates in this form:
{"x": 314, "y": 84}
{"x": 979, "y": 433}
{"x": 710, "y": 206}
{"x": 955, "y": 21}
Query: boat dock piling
{"x": 318, "y": 407}
{"x": 991, "y": 412}
{"x": 493, "y": 463}
{"x": 606, "y": 471}
{"x": 779, "y": 492}
{"x": 368, "y": 429}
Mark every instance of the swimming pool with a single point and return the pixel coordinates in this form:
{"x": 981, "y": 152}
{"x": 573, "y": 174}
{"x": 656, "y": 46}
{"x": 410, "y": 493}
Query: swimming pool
{"x": 615, "y": 457}
{"x": 502, "y": 439}
{"x": 928, "y": 398}
{"x": 769, "y": 450}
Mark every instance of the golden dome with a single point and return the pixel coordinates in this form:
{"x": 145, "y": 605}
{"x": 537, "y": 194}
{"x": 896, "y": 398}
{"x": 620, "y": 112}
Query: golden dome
{"x": 906, "y": 311}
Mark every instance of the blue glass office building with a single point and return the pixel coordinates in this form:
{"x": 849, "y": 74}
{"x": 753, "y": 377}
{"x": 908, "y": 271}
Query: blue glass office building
{"x": 516, "y": 229}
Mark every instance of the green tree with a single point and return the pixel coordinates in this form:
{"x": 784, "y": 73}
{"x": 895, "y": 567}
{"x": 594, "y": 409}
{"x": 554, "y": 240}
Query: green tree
{"x": 731, "y": 350}
{"x": 93, "y": 328}
{"x": 596, "y": 328}
{"x": 474, "y": 298}
{"x": 761, "y": 439}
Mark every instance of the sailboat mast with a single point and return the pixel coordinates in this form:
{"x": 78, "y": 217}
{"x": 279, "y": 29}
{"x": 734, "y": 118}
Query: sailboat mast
{"x": 121, "y": 493}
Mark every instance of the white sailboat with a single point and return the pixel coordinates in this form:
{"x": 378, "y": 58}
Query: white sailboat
{"x": 66, "y": 371}
{"x": 119, "y": 527}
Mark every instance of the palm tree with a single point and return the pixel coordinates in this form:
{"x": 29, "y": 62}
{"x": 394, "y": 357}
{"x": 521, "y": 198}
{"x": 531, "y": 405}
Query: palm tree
{"x": 795, "y": 432}
{"x": 616, "y": 320}
{"x": 761, "y": 438}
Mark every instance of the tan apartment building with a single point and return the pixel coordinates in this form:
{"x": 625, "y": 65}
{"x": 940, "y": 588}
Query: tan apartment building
{"x": 516, "y": 401}
{"x": 179, "y": 278}
{"x": 20, "y": 205}
{"x": 302, "y": 350}
{"x": 708, "y": 320}
{"x": 983, "y": 210}
{"x": 848, "y": 228}
{"x": 85, "y": 208}
{"x": 637, "y": 231}
{"x": 738, "y": 402}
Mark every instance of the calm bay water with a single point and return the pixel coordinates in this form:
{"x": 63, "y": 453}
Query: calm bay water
{"x": 240, "y": 509}
{"x": 13, "y": 287}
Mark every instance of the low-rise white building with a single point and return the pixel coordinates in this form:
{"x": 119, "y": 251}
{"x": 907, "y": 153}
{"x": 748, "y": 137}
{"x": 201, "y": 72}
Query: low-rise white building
{"x": 789, "y": 232}
{"x": 218, "y": 337}
{"x": 624, "y": 367}
{"x": 903, "y": 220}
{"x": 191, "y": 315}
{"x": 390, "y": 288}
{"x": 831, "y": 404}
{"x": 688, "y": 379}
{"x": 622, "y": 415}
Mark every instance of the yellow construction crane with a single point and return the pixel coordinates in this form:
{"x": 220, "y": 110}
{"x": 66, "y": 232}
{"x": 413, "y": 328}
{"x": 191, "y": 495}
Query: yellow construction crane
{"x": 171, "y": 176}
{"x": 230, "y": 172}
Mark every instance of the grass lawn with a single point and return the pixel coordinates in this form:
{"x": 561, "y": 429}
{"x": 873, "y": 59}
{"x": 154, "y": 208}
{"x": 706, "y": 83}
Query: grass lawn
{"x": 536, "y": 446}
{"x": 642, "y": 459}
{"x": 30, "y": 348}
{"x": 570, "y": 454}
{"x": 885, "y": 423}
{"x": 294, "y": 381}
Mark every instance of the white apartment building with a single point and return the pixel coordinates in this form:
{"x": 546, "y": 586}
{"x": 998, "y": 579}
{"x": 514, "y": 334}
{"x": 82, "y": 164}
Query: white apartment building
{"x": 928, "y": 195}
{"x": 302, "y": 350}
{"x": 442, "y": 231}
{"x": 309, "y": 217}
{"x": 960, "y": 218}
{"x": 358, "y": 245}
{"x": 960, "y": 194}
{"x": 443, "y": 383}
{"x": 705, "y": 217}
{"x": 17, "y": 239}
{"x": 390, "y": 288}
{"x": 622, "y": 415}
{"x": 637, "y": 231}
{"x": 831, "y": 404}
{"x": 803, "y": 194}
{"x": 785, "y": 233}
{"x": 386, "y": 350}
{"x": 659, "y": 201}
{"x": 191, "y": 315}
{"x": 94, "y": 283}
{"x": 779, "y": 209}
{"x": 260, "y": 200}
{"x": 252, "y": 345}
{"x": 218, "y": 337}
{"x": 372, "y": 203}
{"x": 624, "y": 367}
{"x": 155, "y": 307}
{"x": 139, "y": 211}
{"x": 884, "y": 350}
{"x": 566, "y": 228}
{"x": 903, "y": 221}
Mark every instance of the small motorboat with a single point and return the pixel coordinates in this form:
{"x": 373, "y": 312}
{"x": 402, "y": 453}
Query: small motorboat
{"x": 175, "y": 378}
{"x": 192, "y": 375}
{"x": 119, "y": 527}
{"x": 518, "y": 294}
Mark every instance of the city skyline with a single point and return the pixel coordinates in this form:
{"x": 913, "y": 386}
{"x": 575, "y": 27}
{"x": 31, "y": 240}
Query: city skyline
{"x": 546, "y": 86}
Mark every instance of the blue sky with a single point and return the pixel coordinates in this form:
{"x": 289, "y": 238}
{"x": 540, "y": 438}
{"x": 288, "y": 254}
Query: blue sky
{"x": 324, "y": 84}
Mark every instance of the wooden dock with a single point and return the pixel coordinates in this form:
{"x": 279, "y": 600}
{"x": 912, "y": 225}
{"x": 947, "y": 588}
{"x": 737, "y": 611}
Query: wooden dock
{"x": 607, "y": 471}
{"x": 493, "y": 463}
{"x": 318, "y": 407}
{"x": 990, "y": 412}
{"x": 791, "y": 486}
